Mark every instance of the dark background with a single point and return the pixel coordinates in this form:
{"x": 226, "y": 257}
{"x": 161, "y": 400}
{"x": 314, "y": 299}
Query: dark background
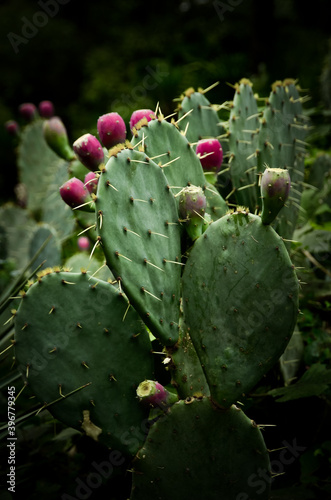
{"x": 93, "y": 57}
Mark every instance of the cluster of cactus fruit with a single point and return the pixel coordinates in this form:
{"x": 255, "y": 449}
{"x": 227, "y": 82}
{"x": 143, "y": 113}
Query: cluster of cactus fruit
{"x": 193, "y": 216}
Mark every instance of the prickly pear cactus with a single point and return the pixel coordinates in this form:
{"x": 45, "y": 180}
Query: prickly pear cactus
{"x": 220, "y": 300}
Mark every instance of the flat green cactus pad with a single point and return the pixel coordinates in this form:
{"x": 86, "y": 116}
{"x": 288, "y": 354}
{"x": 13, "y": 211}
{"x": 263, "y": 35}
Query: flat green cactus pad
{"x": 84, "y": 353}
{"x": 140, "y": 235}
{"x": 197, "y": 451}
{"x": 240, "y": 301}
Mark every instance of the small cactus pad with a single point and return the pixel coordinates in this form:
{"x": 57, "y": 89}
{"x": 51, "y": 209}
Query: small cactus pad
{"x": 140, "y": 235}
{"x": 240, "y": 301}
{"x": 197, "y": 451}
{"x": 84, "y": 354}
{"x": 201, "y": 117}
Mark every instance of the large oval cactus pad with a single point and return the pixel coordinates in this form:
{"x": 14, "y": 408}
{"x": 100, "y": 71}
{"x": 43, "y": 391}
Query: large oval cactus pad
{"x": 86, "y": 350}
{"x": 240, "y": 300}
{"x": 140, "y": 235}
{"x": 197, "y": 451}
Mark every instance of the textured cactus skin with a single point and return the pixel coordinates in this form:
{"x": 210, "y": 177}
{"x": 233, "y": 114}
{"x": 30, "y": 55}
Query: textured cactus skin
{"x": 243, "y": 143}
{"x": 79, "y": 337}
{"x": 240, "y": 314}
{"x": 165, "y": 138}
{"x": 140, "y": 234}
{"x": 282, "y": 135}
{"x": 203, "y": 119}
{"x": 183, "y": 459}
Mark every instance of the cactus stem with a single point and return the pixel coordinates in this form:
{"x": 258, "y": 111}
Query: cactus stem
{"x": 123, "y": 256}
{"x": 171, "y": 161}
{"x": 126, "y": 230}
{"x": 153, "y": 265}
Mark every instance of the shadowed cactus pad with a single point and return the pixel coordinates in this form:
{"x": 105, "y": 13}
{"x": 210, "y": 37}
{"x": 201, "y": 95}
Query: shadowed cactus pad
{"x": 182, "y": 458}
{"x": 240, "y": 300}
{"x": 72, "y": 354}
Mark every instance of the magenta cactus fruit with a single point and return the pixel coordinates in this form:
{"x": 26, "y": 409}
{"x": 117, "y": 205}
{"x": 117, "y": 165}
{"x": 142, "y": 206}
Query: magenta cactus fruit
{"x": 83, "y": 243}
{"x": 46, "y": 109}
{"x": 154, "y": 394}
{"x": 91, "y": 182}
{"x": 275, "y": 188}
{"x": 74, "y": 193}
{"x": 89, "y": 151}
{"x": 210, "y": 153}
{"x": 12, "y": 127}
{"x": 28, "y": 111}
{"x": 55, "y": 135}
{"x": 139, "y": 114}
{"x": 111, "y": 129}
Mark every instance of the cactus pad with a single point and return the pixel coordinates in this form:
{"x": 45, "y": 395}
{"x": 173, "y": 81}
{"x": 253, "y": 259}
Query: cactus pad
{"x": 240, "y": 301}
{"x": 140, "y": 235}
{"x": 82, "y": 337}
{"x": 182, "y": 458}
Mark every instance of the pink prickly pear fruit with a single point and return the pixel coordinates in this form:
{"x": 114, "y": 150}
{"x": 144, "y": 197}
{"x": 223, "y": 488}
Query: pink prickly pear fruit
{"x": 154, "y": 394}
{"x": 55, "y": 135}
{"x": 28, "y": 111}
{"x": 275, "y": 188}
{"x": 192, "y": 206}
{"x": 12, "y": 127}
{"x": 139, "y": 114}
{"x": 210, "y": 153}
{"x": 46, "y": 109}
{"x": 111, "y": 129}
{"x": 89, "y": 151}
{"x": 91, "y": 182}
{"x": 83, "y": 243}
{"x": 74, "y": 193}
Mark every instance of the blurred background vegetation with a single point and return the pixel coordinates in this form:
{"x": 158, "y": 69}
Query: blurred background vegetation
{"x": 94, "y": 57}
